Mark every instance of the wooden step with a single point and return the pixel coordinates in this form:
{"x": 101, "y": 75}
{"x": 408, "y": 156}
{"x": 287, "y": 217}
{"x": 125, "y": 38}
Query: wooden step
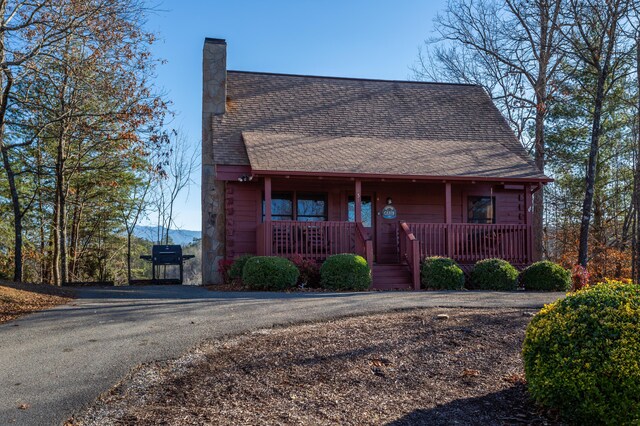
{"x": 391, "y": 277}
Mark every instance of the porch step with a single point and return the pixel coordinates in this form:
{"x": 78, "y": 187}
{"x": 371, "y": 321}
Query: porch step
{"x": 391, "y": 277}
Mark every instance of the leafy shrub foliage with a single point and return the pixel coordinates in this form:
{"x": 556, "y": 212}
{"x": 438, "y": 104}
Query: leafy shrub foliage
{"x": 579, "y": 277}
{"x": 494, "y": 274}
{"x": 235, "y": 270}
{"x": 309, "y": 271}
{"x": 545, "y": 276}
{"x": 581, "y": 355}
{"x": 345, "y": 272}
{"x": 270, "y": 273}
{"x": 441, "y": 273}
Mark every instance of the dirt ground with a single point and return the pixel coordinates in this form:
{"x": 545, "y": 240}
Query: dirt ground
{"x": 21, "y": 299}
{"x": 428, "y": 366}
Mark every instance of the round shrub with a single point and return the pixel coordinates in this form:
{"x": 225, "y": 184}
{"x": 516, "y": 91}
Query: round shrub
{"x": 581, "y": 355}
{"x": 235, "y": 271}
{"x": 269, "y": 273}
{"x": 545, "y": 276}
{"x": 494, "y": 274}
{"x": 441, "y": 273}
{"x": 345, "y": 272}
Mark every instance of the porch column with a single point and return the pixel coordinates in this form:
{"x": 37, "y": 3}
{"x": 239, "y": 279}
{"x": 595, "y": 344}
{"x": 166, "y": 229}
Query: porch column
{"x": 267, "y": 199}
{"x": 358, "y": 201}
{"x": 448, "y": 216}
{"x": 528, "y": 220}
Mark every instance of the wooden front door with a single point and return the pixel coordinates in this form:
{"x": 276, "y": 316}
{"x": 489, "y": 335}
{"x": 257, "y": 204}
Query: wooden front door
{"x": 387, "y": 250}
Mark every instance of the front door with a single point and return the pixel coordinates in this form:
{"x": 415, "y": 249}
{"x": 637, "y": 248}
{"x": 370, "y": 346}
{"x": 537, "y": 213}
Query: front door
{"x": 387, "y": 250}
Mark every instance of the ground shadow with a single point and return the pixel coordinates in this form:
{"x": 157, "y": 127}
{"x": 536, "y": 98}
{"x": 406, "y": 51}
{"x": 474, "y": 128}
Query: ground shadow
{"x": 511, "y": 406}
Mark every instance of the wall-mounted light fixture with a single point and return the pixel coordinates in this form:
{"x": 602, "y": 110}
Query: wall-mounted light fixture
{"x": 389, "y": 200}
{"x": 245, "y": 178}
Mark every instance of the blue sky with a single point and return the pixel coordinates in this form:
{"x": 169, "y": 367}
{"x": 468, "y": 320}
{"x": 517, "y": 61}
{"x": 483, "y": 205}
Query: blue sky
{"x": 348, "y": 38}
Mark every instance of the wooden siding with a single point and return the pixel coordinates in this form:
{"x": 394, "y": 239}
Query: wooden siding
{"x": 415, "y": 202}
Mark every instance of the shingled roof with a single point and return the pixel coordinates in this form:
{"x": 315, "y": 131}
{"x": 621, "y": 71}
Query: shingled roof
{"x": 290, "y": 123}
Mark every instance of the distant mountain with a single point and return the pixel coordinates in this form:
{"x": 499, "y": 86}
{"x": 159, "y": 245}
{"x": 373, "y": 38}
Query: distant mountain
{"x": 178, "y": 236}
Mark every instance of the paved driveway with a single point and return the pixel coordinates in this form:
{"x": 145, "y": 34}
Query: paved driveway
{"x": 58, "y": 361}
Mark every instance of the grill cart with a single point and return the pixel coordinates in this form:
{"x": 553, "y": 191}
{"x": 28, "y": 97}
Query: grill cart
{"x": 166, "y": 255}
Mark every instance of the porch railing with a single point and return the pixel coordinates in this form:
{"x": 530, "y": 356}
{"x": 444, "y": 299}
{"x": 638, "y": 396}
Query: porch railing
{"x": 410, "y": 252}
{"x": 311, "y": 240}
{"x": 364, "y": 245}
{"x": 468, "y": 243}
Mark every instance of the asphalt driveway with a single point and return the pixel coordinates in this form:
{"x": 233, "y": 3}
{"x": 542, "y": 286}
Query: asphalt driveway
{"x": 55, "y": 362}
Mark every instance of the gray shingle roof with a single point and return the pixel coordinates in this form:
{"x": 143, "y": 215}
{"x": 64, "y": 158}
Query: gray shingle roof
{"x": 324, "y": 124}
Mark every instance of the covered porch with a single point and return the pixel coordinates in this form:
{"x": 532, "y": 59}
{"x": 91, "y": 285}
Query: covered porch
{"x": 394, "y": 223}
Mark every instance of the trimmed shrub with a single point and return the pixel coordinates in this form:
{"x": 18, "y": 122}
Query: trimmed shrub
{"x": 345, "y": 272}
{"x": 581, "y": 355}
{"x": 494, "y": 274}
{"x": 545, "y": 276}
{"x": 270, "y": 273}
{"x": 441, "y": 273}
{"x": 235, "y": 270}
{"x": 309, "y": 271}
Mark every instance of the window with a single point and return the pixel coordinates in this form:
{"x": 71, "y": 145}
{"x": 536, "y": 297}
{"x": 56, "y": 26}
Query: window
{"x": 281, "y": 206}
{"x": 308, "y": 207}
{"x": 366, "y": 210}
{"x": 311, "y": 207}
{"x": 481, "y": 209}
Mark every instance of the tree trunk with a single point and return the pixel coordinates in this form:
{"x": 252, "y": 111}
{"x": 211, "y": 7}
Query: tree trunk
{"x": 539, "y": 152}
{"x": 590, "y": 178}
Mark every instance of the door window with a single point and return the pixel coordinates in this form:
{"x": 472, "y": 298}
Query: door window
{"x": 366, "y": 215}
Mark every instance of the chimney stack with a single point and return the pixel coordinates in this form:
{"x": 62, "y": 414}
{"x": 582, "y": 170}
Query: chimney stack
{"x": 214, "y": 76}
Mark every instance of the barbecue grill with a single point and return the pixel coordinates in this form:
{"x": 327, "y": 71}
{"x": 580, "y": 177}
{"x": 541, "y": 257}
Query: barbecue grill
{"x": 166, "y": 255}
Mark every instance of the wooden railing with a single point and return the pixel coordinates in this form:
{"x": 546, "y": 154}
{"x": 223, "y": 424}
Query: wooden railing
{"x": 468, "y": 243}
{"x": 410, "y": 252}
{"x": 311, "y": 240}
{"x": 364, "y": 245}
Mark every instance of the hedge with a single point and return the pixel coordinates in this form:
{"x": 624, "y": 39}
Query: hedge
{"x": 494, "y": 274}
{"x": 345, "y": 272}
{"x": 270, "y": 273}
{"x": 441, "y": 273}
{"x": 545, "y": 276}
{"x": 581, "y": 355}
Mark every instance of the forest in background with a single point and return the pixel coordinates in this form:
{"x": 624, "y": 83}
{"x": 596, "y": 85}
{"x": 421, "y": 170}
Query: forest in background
{"x": 86, "y": 145}
{"x": 566, "y": 75}
{"x": 87, "y": 150}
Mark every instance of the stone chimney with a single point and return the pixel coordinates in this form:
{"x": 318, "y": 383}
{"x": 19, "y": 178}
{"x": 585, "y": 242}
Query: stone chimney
{"x": 214, "y": 97}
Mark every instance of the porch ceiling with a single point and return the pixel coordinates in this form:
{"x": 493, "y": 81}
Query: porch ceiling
{"x": 278, "y": 152}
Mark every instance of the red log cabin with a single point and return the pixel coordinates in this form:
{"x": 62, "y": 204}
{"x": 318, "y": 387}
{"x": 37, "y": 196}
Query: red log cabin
{"x": 391, "y": 170}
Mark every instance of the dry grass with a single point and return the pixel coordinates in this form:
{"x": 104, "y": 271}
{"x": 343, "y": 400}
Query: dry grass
{"x": 399, "y": 368}
{"x": 21, "y": 299}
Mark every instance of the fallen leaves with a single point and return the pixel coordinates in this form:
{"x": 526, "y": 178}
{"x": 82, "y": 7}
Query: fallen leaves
{"x": 21, "y": 299}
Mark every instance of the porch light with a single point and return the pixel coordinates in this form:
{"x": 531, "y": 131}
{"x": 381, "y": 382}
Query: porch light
{"x": 389, "y": 200}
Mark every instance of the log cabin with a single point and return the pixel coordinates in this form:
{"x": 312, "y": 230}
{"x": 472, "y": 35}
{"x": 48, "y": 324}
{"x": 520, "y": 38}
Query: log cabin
{"x": 391, "y": 170}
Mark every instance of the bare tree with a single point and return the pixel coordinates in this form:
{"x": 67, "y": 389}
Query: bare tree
{"x": 596, "y": 43}
{"x": 512, "y": 47}
{"x": 174, "y": 177}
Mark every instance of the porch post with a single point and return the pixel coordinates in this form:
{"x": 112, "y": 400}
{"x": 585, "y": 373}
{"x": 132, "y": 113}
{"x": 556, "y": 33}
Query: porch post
{"x": 358, "y": 201}
{"x": 267, "y": 199}
{"x": 267, "y": 233}
{"x": 528, "y": 220}
{"x": 447, "y": 216}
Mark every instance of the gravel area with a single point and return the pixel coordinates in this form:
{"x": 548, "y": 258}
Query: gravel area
{"x": 436, "y": 366}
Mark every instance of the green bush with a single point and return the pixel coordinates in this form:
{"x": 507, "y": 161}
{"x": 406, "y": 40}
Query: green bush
{"x": 545, "y": 276}
{"x": 270, "y": 273}
{"x": 581, "y": 355}
{"x": 441, "y": 273}
{"x": 345, "y": 272}
{"x": 494, "y": 274}
{"x": 235, "y": 271}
